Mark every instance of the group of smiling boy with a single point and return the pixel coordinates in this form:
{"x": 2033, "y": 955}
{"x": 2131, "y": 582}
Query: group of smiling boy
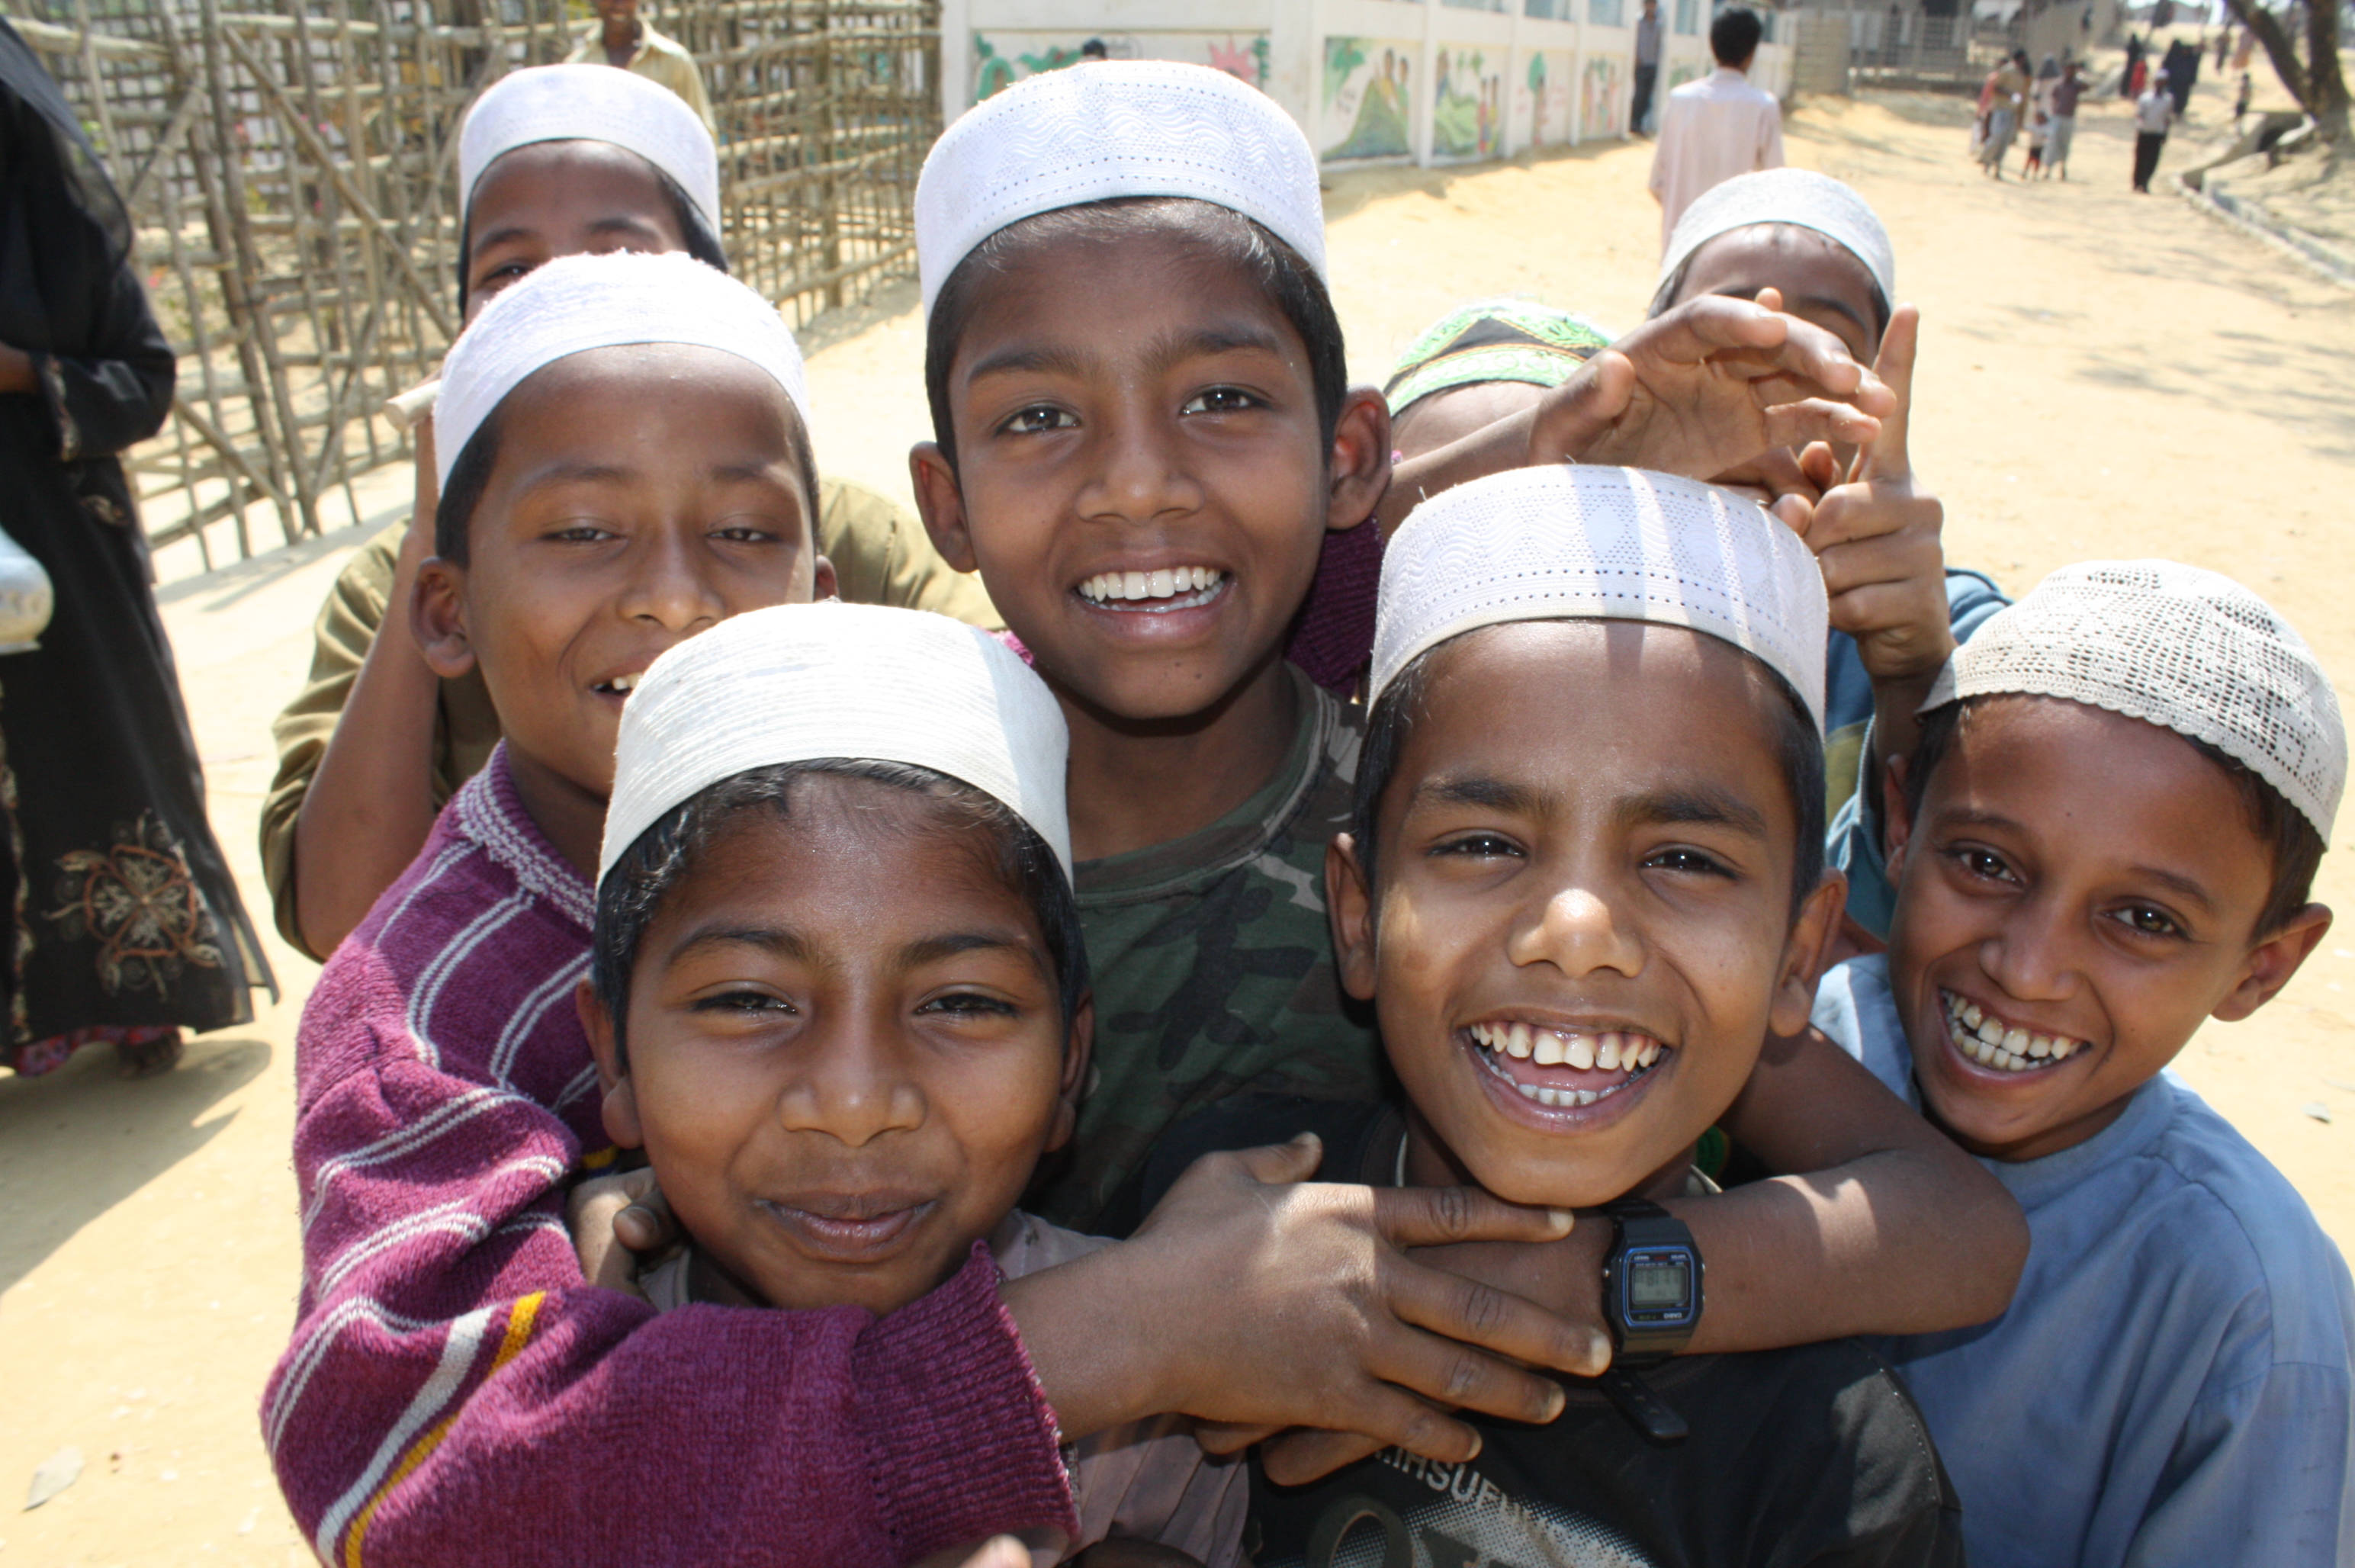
{"x": 1095, "y": 1084}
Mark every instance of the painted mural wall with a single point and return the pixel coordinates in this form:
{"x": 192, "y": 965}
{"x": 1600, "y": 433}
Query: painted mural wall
{"x": 1467, "y": 109}
{"x": 1544, "y": 99}
{"x": 1602, "y": 96}
{"x": 1002, "y": 58}
{"x": 1364, "y": 107}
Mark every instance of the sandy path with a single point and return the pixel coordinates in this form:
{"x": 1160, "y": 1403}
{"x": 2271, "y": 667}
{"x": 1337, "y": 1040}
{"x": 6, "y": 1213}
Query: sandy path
{"x": 2102, "y": 374}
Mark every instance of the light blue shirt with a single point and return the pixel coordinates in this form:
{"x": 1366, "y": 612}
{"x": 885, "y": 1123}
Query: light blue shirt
{"x": 2171, "y": 1386}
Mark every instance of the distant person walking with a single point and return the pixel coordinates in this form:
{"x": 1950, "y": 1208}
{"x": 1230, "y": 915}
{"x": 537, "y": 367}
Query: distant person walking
{"x": 2182, "y": 73}
{"x": 2064, "y": 128}
{"x": 1717, "y": 127}
{"x": 622, "y": 38}
{"x": 2130, "y": 83}
{"x": 2007, "y": 101}
{"x": 1647, "y": 64}
{"x": 2154, "y": 112}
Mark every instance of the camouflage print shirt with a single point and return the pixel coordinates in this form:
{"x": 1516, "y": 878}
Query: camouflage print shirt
{"x": 1213, "y": 973}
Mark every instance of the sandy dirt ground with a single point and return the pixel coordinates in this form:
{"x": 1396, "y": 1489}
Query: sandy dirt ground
{"x": 2103, "y": 374}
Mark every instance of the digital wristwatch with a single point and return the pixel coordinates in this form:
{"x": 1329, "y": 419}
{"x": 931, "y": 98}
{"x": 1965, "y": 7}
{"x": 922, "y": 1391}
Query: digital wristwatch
{"x": 1651, "y": 1282}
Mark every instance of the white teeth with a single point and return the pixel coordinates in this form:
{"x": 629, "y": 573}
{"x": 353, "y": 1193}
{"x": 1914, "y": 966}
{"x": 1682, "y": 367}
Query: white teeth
{"x": 2039, "y": 1046}
{"x": 1579, "y": 1053}
{"x": 1519, "y": 1043}
{"x": 1606, "y": 1053}
{"x": 1989, "y": 1042}
{"x": 1547, "y": 1047}
{"x": 1162, "y": 583}
{"x": 2015, "y": 1041}
{"x": 1549, "y": 1097}
{"x": 1991, "y": 1032}
{"x": 1588, "y": 1096}
{"x": 1972, "y": 1014}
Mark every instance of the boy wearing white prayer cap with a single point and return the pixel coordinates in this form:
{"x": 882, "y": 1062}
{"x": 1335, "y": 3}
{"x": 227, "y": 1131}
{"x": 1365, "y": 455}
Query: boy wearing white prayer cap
{"x": 552, "y": 161}
{"x": 1144, "y": 433}
{"x": 2107, "y": 836}
{"x": 1581, "y": 921}
{"x": 1897, "y": 608}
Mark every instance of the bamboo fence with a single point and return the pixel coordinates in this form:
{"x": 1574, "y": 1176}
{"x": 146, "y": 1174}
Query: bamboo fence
{"x": 291, "y": 168}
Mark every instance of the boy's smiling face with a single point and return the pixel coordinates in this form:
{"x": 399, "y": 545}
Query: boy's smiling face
{"x": 845, "y": 1047}
{"x": 641, "y": 495}
{"x": 1141, "y": 477}
{"x": 1585, "y": 854}
{"x": 2086, "y": 886}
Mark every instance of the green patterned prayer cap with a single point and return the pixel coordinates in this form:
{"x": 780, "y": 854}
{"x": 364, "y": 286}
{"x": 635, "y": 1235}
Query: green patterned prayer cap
{"x": 1494, "y": 340}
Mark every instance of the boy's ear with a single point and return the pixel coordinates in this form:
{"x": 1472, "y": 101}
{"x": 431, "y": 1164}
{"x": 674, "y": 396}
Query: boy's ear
{"x": 2272, "y": 962}
{"x": 1077, "y": 1047}
{"x": 1351, "y": 901}
{"x": 621, "y": 1101}
{"x": 1804, "y": 953}
{"x": 1896, "y": 821}
{"x": 940, "y": 503}
{"x": 822, "y": 584}
{"x": 1361, "y": 466}
{"x": 437, "y": 618}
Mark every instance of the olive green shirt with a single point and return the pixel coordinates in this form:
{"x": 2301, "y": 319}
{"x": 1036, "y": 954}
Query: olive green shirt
{"x": 880, "y": 555}
{"x": 1213, "y": 971}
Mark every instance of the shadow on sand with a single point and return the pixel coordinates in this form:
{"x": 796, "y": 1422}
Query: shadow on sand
{"x": 77, "y": 1142}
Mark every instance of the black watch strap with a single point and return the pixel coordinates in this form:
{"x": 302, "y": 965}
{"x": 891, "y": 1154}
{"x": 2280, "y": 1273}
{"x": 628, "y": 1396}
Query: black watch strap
{"x": 1651, "y": 1282}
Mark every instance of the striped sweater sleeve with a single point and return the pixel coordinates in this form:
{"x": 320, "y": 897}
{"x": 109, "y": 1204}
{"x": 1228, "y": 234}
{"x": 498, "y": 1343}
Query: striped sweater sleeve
{"x": 457, "y": 1393}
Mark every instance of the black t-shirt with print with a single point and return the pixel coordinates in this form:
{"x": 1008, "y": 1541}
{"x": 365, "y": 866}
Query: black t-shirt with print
{"x": 1809, "y": 1457}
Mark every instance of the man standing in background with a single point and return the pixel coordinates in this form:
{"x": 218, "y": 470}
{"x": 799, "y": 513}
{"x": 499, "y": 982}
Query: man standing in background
{"x": 1647, "y": 64}
{"x": 622, "y": 38}
{"x": 2154, "y": 112}
{"x": 1717, "y": 127}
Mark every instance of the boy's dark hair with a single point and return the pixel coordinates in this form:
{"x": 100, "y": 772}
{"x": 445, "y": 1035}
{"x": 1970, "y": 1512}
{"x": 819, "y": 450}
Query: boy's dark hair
{"x": 2283, "y": 829}
{"x": 453, "y": 509}
{"x": 1733, "y": 37}
{"x": 701, "y": 243}
{"x": 1274, "y": 266}
{"x": 632, "y": 893}
{"x": 1799, "y": 743}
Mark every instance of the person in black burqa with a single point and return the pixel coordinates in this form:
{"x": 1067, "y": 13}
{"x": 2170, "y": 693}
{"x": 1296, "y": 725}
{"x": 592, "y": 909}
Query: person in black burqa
{"x": 117, "y": 912}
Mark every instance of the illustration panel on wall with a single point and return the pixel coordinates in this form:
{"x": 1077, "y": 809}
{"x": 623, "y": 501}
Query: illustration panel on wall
{"x": 1467, "y": 105}
{"x": 1362, "y": 108}
{"x": 1001, "y": 58}
{"x": 1542, "y": 99}
{"x": 1603, "y": 97}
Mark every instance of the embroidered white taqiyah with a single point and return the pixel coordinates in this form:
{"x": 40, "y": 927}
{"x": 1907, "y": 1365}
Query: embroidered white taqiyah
{"x": 798, "y": 683}
{"x": 2175, "y": 646}
{"x": 1801, "y": 198}
{"x": 592, "y": 103}
{"x": 1113, "y": 128}
{"x": 575, "y": 303}
{"x": 1570, "y": 542}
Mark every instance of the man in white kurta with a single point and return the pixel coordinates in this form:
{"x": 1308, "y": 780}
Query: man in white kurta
{"x": 1717, "y": 127}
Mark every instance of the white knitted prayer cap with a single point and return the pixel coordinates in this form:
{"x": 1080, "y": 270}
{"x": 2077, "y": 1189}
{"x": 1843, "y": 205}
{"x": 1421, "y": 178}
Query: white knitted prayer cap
{"x": 1110, "y": 129}
{"x": 591, "y": 103}
{"x": 799, "y": 682}
{"x": 1569, "y": 542}
{"x": 578, "y": 302}
{"x": 2175, "y": 646}
{"x": 1800, "y": 198}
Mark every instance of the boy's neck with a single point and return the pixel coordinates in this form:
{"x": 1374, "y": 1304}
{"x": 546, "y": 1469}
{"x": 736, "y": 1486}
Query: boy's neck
{"x": 571, "y": 817}
{"x": 1134, "y": 784}
{"x": 1430, "y": 1163}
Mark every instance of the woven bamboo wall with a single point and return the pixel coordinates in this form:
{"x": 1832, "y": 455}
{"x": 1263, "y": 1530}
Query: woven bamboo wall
{"x": 291, "y": 168}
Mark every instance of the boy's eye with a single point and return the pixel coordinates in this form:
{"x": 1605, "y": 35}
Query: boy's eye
{"x": 1478, "y": 846}
{"x": 1687, "y": 861}
{"x": 2145, "y": 919}
{"x": 968, "y": 1005}
{"x": 1983, "y": 864}
{"x": 745, "y": 1003}
{"x": 1040, "y": 417}
{"x": 1221, "y": 400}
{"x": 578, "y": 532}
{"x": 744, "y": 533}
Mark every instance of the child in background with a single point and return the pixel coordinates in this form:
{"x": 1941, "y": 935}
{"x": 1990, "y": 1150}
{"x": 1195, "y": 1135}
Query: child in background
{"x": 840, "y": 997}
{"x": 2107, "y": 835}
{"x": 553, "y": 160}
{"x": 2040, "y": 126}
{"x": 626, "y": 466}
{"x": 1580, "y": 923}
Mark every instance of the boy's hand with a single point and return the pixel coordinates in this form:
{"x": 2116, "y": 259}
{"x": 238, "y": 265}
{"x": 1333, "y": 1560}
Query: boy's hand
{"x": 613, "y": 1220}
{"x": 1251, "y": 1298}
{"x": 1707, "y": 386}
{"x": 1876, "y": 535}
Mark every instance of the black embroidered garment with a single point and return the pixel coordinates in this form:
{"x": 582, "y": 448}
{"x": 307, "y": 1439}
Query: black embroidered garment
{"x": 116, "y": 905}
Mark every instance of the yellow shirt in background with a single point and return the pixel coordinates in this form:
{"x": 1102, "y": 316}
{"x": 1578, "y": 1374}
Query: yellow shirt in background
{"x": 657, "y": 59}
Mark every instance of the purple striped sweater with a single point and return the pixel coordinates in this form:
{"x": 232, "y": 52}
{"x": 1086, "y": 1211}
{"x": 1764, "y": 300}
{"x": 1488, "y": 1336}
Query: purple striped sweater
{"x": 457, "y": 1394}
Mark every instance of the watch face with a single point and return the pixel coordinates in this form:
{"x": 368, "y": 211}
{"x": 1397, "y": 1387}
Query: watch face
{"x": 1658, "y": 1283}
